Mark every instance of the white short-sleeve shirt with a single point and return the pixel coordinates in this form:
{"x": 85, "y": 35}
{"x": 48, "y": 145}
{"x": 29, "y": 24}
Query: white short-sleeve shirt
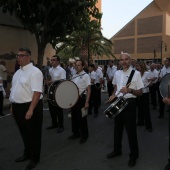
{"x": 153, "y": 74}
{"x": 164, "y": 71}
{"x": 57, "y": 73}
{"x": 93, "y": 76}
{"x": 121, "y": 78}
{"x": 111, "y": 72}
{"x": 145, "y": 78}
{"x": 82, "y": 80}
{"x": 99, "y": 75}
{"x": 25, "y": 82}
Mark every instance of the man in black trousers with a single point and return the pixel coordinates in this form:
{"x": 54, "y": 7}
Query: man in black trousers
{"x": 27, "y": 106}
{"x": 128, "y": 88}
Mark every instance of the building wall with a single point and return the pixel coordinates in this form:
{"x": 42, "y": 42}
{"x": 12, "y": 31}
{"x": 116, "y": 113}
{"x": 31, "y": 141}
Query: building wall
{"x": 12, "y": 38}
{"x": 146, "y": 33}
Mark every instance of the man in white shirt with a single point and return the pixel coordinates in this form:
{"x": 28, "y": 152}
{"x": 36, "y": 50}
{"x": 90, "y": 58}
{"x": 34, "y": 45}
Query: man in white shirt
{"x": 3, "y": 73}
{"x": 165, "y": 70}
{"x": 98, "y": 83}
{"x": 27, "y": 106}
{"x": 56, "y": 73}
{"x": 79, "y": 121}
{"x": 109, "y": 75}
{"x": 93, "y": 102}
{"x": 127, "y": 117}
{"x": 153, "y": 77}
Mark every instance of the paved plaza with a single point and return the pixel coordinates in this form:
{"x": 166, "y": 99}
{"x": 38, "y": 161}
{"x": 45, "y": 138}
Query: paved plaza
{"x": 59, "y": 153}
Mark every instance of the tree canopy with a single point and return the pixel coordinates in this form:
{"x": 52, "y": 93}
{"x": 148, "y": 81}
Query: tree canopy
{"x": 49, "y": 19}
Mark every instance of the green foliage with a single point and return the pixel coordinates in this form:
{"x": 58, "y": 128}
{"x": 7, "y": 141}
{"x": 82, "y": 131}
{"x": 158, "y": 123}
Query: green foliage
{"x": 48, "y": 19}
{"x": 89, "y": 39}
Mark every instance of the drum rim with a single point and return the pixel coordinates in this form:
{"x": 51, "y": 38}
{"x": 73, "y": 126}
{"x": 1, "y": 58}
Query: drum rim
{"x": 60, "y": 81}
{"x": 77, "y": 96}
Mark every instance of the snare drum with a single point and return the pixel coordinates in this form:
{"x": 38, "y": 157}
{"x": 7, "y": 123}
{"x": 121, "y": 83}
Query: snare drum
{"x": 63, "y": 93}
{"x": 119, "y": 103}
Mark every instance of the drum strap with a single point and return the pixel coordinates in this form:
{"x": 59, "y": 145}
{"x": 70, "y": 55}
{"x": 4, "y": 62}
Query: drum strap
{"x": 78, "y": 76}
{"x": 130, "y": 78}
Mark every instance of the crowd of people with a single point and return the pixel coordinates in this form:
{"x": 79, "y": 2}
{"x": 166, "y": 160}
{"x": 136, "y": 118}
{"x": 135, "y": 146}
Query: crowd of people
{"x": 133, "y": 80}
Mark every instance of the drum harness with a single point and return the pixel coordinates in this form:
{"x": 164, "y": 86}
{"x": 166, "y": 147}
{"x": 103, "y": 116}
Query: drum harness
{"x": 129, "y": 80}
{"x": 81, "y": 95}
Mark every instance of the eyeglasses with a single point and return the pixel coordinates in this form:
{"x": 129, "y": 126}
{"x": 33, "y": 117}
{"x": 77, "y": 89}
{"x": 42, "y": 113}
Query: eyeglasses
{"x": 21, "y": 55}
{"x": 53, "y": 60}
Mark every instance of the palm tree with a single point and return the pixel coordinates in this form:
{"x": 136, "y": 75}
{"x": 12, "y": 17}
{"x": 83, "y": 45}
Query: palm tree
{"x": 85, "y": 44}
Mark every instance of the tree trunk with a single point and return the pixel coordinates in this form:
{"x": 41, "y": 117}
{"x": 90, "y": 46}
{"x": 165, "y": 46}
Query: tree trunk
{"x": 41, "y": 48}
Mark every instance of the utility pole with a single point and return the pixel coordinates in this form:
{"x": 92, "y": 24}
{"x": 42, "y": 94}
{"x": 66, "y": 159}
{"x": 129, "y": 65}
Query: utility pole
{"x": 163, "y": 44}
{"x": 161, "y": 50}
{"x": 154, "y": 55}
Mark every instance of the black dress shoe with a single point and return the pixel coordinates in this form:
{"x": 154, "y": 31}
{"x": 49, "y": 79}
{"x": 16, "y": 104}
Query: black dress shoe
{"x": 132, "y": 162}
{"x": 31, "y": 165}
{"x": 22, "y": 158}
{"x": 140, "y": 124}
{"x": 113, "y": 154}
{"x": 73, "y": 137}
{"x": 60, "y": 130}
{"x": 149, "y": 129}
{"x": 2, "y": 114}
{"x": 82, "y": 141}
{"x": 160, "y": 117}
{"x": 95, "y": 115}
{"x": 51, "y": 127}
{"x": 167, "y": 167}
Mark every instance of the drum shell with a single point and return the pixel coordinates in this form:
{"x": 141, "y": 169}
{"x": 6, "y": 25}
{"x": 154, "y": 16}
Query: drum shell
{"x": 51, "y": 92}
{"x": 116, "y": 107}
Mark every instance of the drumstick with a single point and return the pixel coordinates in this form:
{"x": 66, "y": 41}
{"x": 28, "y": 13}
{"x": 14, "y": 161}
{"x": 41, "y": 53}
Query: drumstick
{"x": 118, "y": 93}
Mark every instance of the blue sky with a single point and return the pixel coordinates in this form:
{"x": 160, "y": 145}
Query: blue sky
{"x": 117, "y": 13}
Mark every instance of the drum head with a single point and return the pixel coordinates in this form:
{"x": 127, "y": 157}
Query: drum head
{"x": 163, "y": 87}
{"x": 66, "y": 94}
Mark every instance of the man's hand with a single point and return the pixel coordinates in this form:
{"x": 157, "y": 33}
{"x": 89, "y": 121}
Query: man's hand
{"x": 166, "y": 100}
{"x": 124, "y": 90}
{"x": 86, "y": 105}
{"x": 28, "y": 115}
{"x": 111, "y": 98}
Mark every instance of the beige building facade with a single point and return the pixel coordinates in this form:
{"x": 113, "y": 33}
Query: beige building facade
{"x": 147, "y": 36}
{"x": 13, "y": 36}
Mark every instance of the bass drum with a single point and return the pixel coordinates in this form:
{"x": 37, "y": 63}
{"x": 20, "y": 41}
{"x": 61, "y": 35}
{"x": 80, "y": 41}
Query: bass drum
{"x": 63, "y": 93}
{"x": 116, "y": 107}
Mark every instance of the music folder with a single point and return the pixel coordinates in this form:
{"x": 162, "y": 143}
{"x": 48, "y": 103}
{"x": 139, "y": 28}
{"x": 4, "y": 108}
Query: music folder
{"x": 83, "y": 112}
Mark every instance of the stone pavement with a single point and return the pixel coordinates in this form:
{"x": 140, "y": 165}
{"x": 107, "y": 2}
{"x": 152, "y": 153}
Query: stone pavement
{"x": 6, "y": 103}
{"x": 59, "y": 153}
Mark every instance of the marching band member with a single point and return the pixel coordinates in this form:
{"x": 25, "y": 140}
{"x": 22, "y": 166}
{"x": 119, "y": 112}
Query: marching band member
{"x": 153, "y": 75}
{"x": 127, "y": 117}
{"x": 93, "y": 102}
{"x": 143, "y": 101}
{"x": 56, "y": 73}
{"x": 164, "y": 71}
{"x": 27, "y": 106}
{"x": 79, "y": 121}
{"x": 98, "y": 83}
{"x": 111, "y": 69}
